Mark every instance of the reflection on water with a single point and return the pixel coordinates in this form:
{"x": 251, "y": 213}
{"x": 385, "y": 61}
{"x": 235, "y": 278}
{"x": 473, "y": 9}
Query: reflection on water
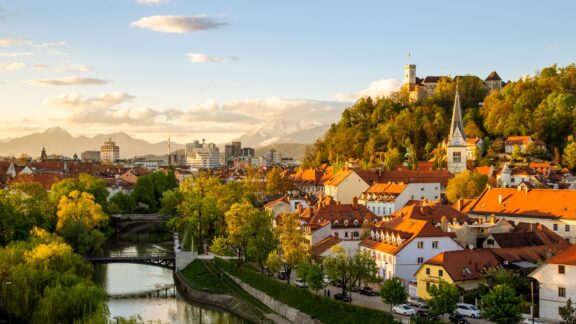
{"x": 127, "y": 278}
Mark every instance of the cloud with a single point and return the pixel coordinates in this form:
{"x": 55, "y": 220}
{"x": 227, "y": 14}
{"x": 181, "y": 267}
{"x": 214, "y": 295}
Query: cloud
{"x": 14, "y": 66}
{"x": 204, "y": 58}
{"x": 9, "y": 42}
{"x": 65, "y": 67}
{"x": 68, "y": 81}
{"x": 152, "y": 2}
{"x": 15, "y": 54}
{"x": 376, "y": 89}
{"x": 177, "y": 24}
{"x": 104, "y": 100}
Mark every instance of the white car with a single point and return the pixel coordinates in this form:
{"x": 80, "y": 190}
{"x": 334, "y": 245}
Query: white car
{"x": 467, "y": 310}
{"x": 404, "y": 309}
{"x": 300, "y": 283}
{"x": 417, "y": 302}
{"x": 532, "y": 321}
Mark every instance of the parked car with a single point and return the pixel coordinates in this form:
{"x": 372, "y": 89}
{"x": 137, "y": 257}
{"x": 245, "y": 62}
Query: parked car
{"x": 458, "y": 319}
{"x": 355, "y": 289}
{"x": 468, "y": 310}
{"x": 300, "y": 283}
{"x": 343, "y": 297}
{"x": 426, "y": 315}
{"x": 532, "y": 321}
{"x": 282, "y": 275}
{"x": 404, "y": 309}
{"x": 326, "y": 280}
{"x": 368, "y": 291}
{"x": 337, "y": 283}
{"x": 417, "y": 302}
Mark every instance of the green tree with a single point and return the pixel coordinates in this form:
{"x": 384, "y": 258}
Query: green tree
{"x": 121, "y": 203}
{"x": 392, "y": 159}
{"x": 466, "y": 185}
{"x": 273, "y": 262}
{"x": 348, "y": 269}
{"x": 568, "y": 313}
{"x": 294, "y": 248}
{"x": 501, "y": 305}
{"x": 569, "y": 156}
{"x": 171, "y": 199}
{"x": 312, "y": 274}
{"x": 84, "y": 183}
{"x": 444, "y": 298}
{"x": 220, "y": 246}
{"x": 277, "y": 182}
{"x": 393, "y": 292}
{"x": 516, "y": 153}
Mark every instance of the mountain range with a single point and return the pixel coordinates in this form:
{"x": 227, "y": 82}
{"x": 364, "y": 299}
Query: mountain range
{"x": 287, "y": 137}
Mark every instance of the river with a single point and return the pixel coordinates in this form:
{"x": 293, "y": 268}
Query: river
{"x": 130, "y": 278}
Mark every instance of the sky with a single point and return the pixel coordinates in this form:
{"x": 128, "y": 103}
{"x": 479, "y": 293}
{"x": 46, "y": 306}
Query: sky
{"x": 190, "y": 69}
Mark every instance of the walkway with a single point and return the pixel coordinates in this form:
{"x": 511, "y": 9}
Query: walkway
{"x": 165, "y": 260}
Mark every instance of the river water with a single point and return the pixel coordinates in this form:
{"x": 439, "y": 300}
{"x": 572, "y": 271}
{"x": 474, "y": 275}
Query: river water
{"x": 130, "y": 278}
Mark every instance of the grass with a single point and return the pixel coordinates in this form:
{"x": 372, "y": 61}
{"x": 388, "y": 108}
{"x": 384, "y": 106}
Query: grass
{"x": 326, "y": 310}
{"x": 199, "y": 278}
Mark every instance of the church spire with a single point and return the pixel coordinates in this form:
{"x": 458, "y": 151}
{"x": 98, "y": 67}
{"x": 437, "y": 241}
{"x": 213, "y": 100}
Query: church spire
{"x": 456, "y": 129}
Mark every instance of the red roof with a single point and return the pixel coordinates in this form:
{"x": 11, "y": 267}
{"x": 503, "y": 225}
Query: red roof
{"x": 567, "y": 257}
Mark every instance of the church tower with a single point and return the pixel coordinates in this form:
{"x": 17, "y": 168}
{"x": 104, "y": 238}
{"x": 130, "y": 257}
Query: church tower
{"x": 43, "y": 155}
{"x": 456, "y": 149}
{"x": 410, "y": 76}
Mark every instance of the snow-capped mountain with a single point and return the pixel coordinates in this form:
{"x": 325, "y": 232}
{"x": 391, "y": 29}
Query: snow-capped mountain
{"x": 280, "y": 131}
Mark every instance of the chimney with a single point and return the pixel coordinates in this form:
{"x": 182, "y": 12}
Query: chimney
{"x": 459, "y": 204}
{"x": 355, "y": 202}
{"x": 500, "y": 198}
{"x": 299, "y": 207}
{"x": 336, "y": 235}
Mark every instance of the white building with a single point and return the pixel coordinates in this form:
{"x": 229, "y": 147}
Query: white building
{"x": 557, "y": 278}
{"x": 386, "y": 198}
{"x": 202, "y": 155}
{"x": 456, "y": 149}
{"x": 345, "y": 185}
{"x": 110, "y": 152}
{"x": 401, "y": 245}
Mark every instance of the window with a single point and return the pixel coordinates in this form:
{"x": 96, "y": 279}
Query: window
{"x": 457, "y": 157}
{"x": 561, "y": 292}
{"x": 567, "y": 228}
{"x": 555, "y": 227}
{"x": 420, "y": 244}
{"x": 345, "y": 234}
{"x": 421, "y": 189}
{"x": 490, "y": 241}
{"x": 561, "y": 269}
{"x": 427, "y": 271}
{"x": 440, "y": 273}
{"x": 420, "y": 260}
{"x": 434, "y": 244}
{"x": 356, "y": 234}
{"x": 427, "y": 286}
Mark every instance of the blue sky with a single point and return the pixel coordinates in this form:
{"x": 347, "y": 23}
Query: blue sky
{"x": 215, "y": 69}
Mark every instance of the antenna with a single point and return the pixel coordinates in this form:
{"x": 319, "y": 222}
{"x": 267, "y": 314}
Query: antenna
{"x": 169, "y": 157}
{"x": 408, "y": 57}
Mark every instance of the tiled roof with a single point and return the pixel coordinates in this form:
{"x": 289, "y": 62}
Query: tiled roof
{"x": 432, "y": 79}
{"x": 485, "y": 170}
{"x": 383, "y": 191}
{"x": 340, "y": 215}
{"x": 472, "y": 140}
{"x": 45, "y": 179}
{"x": 338, "y": 177}
{"x": 545, "y": 203}
{"x": 324, "y": 245}
{"x": 433, "y": 213}
{"x": 567, "y": 257}
{"x": 465, "y": 264}
{"x": 517, "y": 140}
{"x": 275, "y": 202}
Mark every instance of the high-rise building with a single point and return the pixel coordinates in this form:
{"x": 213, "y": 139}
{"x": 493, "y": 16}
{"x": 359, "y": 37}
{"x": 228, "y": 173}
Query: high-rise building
{"x": 202, "y": 155}
{"x": 272, "y": 157}
{"x": 110, "y": 152}
{"x": 90, "y": 156}
{"x": 456, "y": 149}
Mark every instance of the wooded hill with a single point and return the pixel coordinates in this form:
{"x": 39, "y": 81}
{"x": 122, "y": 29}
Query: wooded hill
{"x": 542, "y": 106}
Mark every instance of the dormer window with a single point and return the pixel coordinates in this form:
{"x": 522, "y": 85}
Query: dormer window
{"x": 356, "y": 222}
{"x": 346, "y": 223}
{"x": 336, "y": 223}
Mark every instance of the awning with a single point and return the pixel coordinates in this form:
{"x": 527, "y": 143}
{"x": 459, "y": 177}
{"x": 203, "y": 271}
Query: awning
{"x": 467, "y": 286}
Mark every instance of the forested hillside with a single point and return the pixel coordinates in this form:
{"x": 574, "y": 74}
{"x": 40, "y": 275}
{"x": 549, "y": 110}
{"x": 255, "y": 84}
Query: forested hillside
{"x": 543, "y": 106}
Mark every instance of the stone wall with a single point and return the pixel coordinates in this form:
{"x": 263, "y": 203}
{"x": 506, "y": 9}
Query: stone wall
{"x": 290, "y": 313}
{"x": 225, "y": 302}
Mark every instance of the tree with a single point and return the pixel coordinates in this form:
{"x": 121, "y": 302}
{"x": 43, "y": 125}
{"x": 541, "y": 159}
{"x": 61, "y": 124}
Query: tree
{"x": 350, "y": 270}
{"x": 501, "y": 305}
{"x": 392, "y": 159}
{"x": 276, "y": 182}
{"x": 144, "y": 194}
{"x": 80, "y": 219}
{"x": 84, "y": 183}
{"x": 171, "y": 199}
{"x": 312, "y": 274}
{"x": 568, "y": 313}
{"x": 569, "y": 156}
{"x": 516, "y": 153}
{"x": 294, "y": 247}
{"x": 444, "y": 298}
{"x": 220, "y": 246}
{"x": 466, "y": 185}
{"x": 121, "y": 203}
{"x": 273, "y": 262}
{"x": 393, "y": 292}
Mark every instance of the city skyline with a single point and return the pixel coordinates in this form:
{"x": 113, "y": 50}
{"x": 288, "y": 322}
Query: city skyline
{"x": 180, "y": 69}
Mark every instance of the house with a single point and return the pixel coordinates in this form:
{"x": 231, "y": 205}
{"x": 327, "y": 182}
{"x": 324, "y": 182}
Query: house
{"x": 526, "y": 234}
{"x": 557, "y": 281}
{"x": 286, "y": 204}
{"x": 130, "y": 176}
{"x": 463, "y": 268}
{"x": 493, "y": 82}
{"x": 310, "y": 180}
{"x": 512, "y": 177}
{"x": 400, "y": 246}
{"x": 520, "y": 141}
{"x": 555, "y": 209}
{"x": 473, "y": 145}
{"x": 345, "y": 185}
{"x": 343, "y": 221}
{"x": 386, "y": 198}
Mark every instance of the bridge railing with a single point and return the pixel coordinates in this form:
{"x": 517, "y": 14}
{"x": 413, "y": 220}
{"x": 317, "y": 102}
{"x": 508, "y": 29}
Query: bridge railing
{"x": 131, "y": 256}
{"x": 133, "y": 217}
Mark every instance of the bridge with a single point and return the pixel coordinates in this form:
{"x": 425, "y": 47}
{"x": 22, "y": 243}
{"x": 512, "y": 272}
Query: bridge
{"x": 162, "y": 291}
{"x": 122, "y": 221}
{"x": 163, "y": 260}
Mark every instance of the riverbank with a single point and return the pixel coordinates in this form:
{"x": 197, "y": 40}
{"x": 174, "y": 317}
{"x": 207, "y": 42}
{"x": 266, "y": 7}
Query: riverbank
{"x": 201, "y": 283}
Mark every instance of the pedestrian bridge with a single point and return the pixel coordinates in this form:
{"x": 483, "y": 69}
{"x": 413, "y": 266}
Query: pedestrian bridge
{"x": 123, "y": 221}
{"x": 163, "y": 260}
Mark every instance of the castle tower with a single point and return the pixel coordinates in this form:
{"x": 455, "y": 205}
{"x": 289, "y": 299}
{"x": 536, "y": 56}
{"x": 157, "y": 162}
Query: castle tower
{"x": 456, "y": 149}
{"x": 410, "y": 76}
